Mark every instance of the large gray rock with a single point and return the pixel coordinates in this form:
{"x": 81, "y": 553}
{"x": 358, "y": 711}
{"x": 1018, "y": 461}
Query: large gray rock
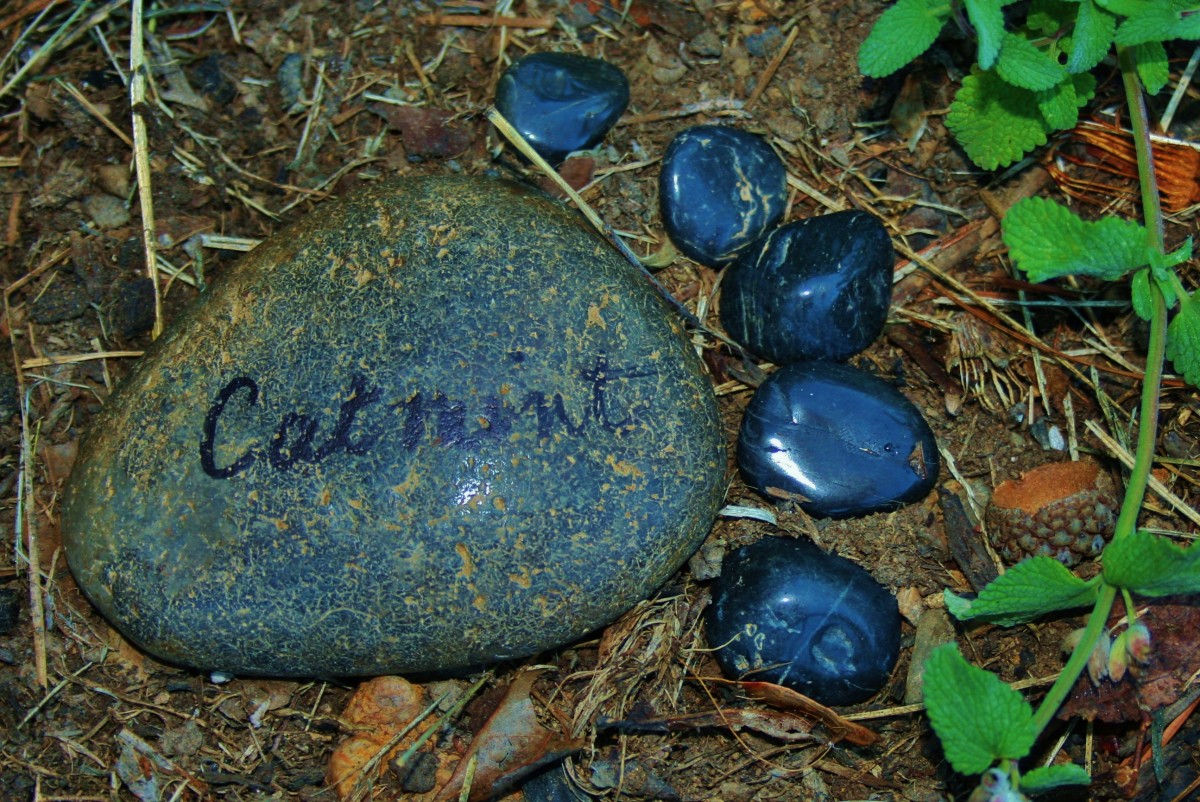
{"x": 437, "y": 424}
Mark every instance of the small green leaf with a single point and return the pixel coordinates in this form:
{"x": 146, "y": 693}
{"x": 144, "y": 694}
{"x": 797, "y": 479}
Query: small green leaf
{"x": 1047, "y": 778}
{"x": 1183, "y": 339}
{"x": 1152, "y": 67}
{"x": 988, "y": 18}
{"x": 1159, "y": 22}
{"x": 978, "y": 718}
{"x": 1047, "y": 17}
{"x": 1139, "y": 294}
{"x": 995, "y": 122}
{"x": 1029, "y": 590}
{"x": 1060, "y": 106}
{"x": 1149, "y": 565}
{"x": 1022, "y": 64}
{"x": 1125, "y": 8}
{"x": 1093, "y": 36}
{"x": 903, "y": 32}
{"x": 1048, "y": 240}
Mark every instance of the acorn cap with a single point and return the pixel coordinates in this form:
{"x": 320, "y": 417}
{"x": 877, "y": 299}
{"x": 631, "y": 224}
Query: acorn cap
{"x": 1064, "y": 510}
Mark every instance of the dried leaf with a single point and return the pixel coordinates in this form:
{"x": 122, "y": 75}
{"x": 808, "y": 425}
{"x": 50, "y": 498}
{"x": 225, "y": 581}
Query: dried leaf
{"x": 841, "y": 729}
{"x": 512, "y": 744}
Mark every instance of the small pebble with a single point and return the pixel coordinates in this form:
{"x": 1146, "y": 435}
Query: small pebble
{"x": 720, "y": 189}
{"x": 106, "y": 211}
{"x": 836, "y": 440}
{"x": 562, "y": 102}
{"x": 933, "y": 629}
{"x": 784, "y": 611}
{"x": 812, "y": 289}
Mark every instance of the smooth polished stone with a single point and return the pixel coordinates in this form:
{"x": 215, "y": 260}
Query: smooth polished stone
{"x": 720, "y": 189}
{"x": 813, "y": 289}
{"x": 436, "y": 424}
{"x": 836, "y": 440}
{"x": 784, "y": 611}
{"x": 562, "y": 102}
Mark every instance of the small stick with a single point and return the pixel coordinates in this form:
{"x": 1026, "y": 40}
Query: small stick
{"x": 472, "y": 21}
{"x": 141, "y": 159}
{"x": 1157, "y": 486}
{"x": 771, "y": 69}
{"x": 95, "y": 112}
{"x": 513, "y": 136}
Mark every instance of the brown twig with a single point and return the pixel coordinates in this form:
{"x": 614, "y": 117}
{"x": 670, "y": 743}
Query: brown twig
{"x": 141, "y": 158}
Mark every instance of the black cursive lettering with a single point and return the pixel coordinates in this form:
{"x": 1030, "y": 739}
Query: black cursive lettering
{"x": 207, "y": 460}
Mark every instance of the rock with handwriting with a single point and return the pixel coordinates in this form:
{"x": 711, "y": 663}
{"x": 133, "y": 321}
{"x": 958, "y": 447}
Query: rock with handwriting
{"x": 437, "y": 424}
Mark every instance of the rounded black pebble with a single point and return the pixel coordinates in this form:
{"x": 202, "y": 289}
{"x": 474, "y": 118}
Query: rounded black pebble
{"x": 720, "y": 189}
{"x": 836, "y": 440}
{"x": 562, "y": 102}
{"x": 786, "y": 612}
{"x": 812, "y": 289}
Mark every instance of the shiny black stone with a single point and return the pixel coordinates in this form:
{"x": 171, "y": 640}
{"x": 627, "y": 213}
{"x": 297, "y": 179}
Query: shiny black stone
{"x": 812, "y": 289}
{"x": 838, "y": 441}
{"x": 720, "y": 189}
{"x": 562, "y": 102}
{"x": 786, "y": 612}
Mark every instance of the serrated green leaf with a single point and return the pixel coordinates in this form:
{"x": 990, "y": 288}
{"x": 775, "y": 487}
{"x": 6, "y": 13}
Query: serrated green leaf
{"x": 1022, "y": 64}
{"x": 1047, "y": 240}
{"x": 903, "y": 32}
{"x": 1149, "y": 565}
{"x": 1028, "y": 591}
{"x": 1048, "y": 16}
{"x": 1047, "y": 778}
{"x": 1161, "y": 272}
{"x": 988, "y": 18}
{"x": 1125, "y": 7}
{"x": 957, "y": 606}
{"x": 1183, "y": 339}
{"x": 1159, "y": 22}
{"x": 978, "y": 718}
{"x": 1058, "y": 106}
{"x": 1152, "y": 67}
{"x": 1093, "y": 36}
{"x": 996, "y": 123}
{"x": 1139, "y": 294}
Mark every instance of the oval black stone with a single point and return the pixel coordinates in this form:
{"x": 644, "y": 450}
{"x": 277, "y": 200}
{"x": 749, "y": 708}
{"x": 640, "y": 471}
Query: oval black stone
{"x": 812, "y": 289}
{"x": 719, "y": 190}
{"x": 838, "y": 441}
{"x": 437, "y": 424}
{"x": 562, "y": 102}
{"x": 784, "y": 611}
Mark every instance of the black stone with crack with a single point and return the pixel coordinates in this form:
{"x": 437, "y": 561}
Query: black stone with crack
{"x": 438, "y": 424}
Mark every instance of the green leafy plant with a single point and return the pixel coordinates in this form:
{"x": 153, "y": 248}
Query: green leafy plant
{"x": 1030, "y": 80}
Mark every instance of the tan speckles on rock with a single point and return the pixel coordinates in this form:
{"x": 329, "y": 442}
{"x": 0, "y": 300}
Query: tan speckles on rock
{"x": 363, "y": 376}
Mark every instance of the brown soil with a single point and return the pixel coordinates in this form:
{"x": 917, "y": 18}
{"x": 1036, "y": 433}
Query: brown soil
{"x": 242, "y": 139}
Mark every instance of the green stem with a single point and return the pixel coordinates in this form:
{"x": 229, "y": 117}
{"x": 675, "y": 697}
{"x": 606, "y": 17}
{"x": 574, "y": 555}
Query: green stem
{"x": 1078, "y": 660}
{"x": 1135, "y": 491}
{"x": 1151, "y": 384}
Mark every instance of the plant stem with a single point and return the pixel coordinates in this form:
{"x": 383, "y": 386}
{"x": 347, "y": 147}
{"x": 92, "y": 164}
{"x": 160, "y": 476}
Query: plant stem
{"x": 1135, "y": 491}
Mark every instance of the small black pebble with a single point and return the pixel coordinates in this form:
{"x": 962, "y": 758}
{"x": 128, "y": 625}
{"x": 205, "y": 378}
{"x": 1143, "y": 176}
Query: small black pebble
{"x": 786, "y": 612}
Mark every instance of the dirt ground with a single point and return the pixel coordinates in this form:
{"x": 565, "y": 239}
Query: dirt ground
{"x": 257, "y": 112}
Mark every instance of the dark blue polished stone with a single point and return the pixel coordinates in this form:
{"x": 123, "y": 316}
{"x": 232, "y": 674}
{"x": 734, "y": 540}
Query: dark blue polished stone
{"x": 720, "y": 189}
{"x": 838, "y": 441}
{"x": 786, "y": 612}
{"x": 812, "y": 289}
{"x": 562, "y": 102}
